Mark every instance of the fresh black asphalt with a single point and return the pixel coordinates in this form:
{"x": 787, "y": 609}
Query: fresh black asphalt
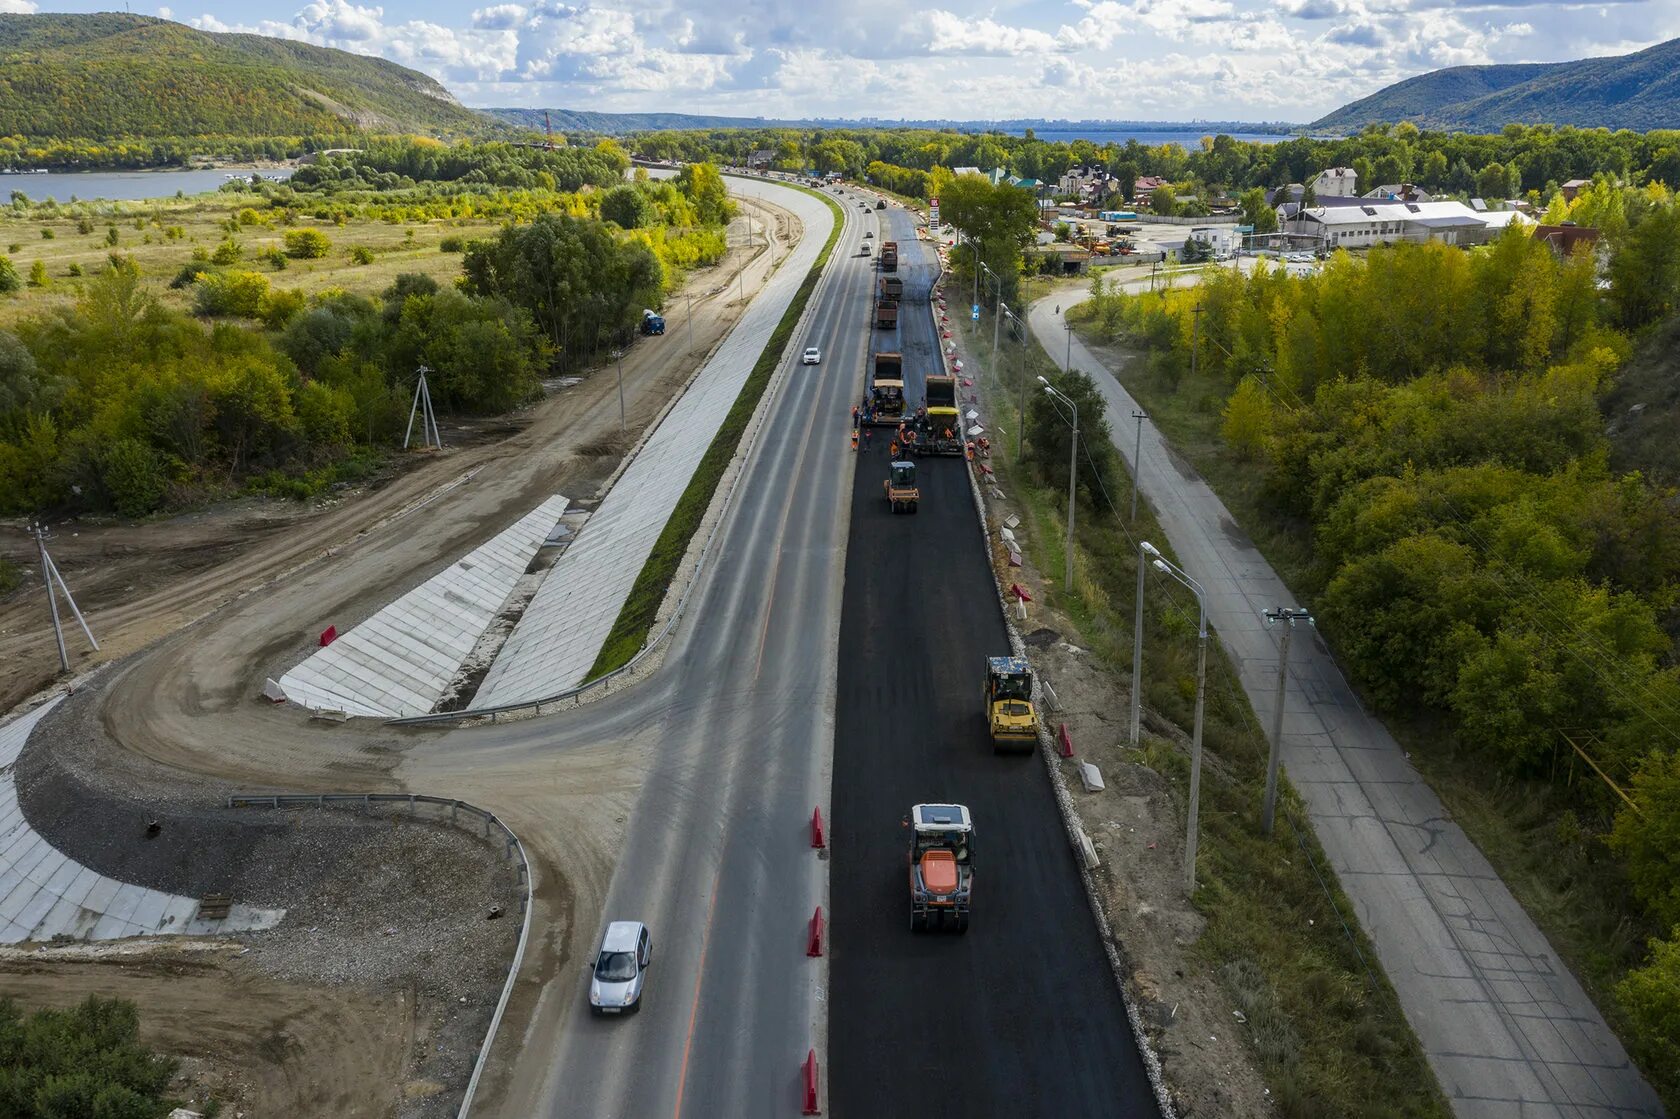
{"x": 1020, "y": 1016}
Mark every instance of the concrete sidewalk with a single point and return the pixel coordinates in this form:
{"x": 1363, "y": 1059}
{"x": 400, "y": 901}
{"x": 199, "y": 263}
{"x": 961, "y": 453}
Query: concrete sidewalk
{"x": 1507, "y": 1029}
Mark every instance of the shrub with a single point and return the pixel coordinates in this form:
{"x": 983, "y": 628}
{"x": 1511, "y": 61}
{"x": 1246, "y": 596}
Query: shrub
{"x": 361, "y": 254}
{"x": 133, "y": 475}
{"x": 85, "y": 1060}
{"x": 275, "y": 258}
{"x": 451, "y": 244}
{"x": 1651, "y": 998}
{"x": 14, "y": 247}
{"x": 187, "y": 276}
{"x": 46, "y": 234}
{"x": 9, "y": 281}
{"x": 111, "y": 235}
{"x": 228, "y": 252}
{"x": 74, "y": 270}
{"x": 307, "y": 244}
{"x": 84, "y": 225}
{"x": 231, "y": 293}
{"x": 38, "y": 274}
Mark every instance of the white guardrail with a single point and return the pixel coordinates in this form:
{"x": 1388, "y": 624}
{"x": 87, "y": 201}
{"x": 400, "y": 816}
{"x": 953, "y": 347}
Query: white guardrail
{"x": 512, "y": 848}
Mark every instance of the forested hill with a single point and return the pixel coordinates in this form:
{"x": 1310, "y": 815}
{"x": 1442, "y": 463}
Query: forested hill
{"x": 618, "y": 124}
{"x": 1638, "y": 91}
{"x": 112, "y": 76}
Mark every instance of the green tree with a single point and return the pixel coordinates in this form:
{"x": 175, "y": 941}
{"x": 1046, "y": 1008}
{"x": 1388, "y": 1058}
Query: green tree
{"x": 1050, "y": 438}
{"x": 85, "y": 1062}
{"x": 703, "y": 186}
{"x": 628, "y": 207}
{"x": 1649, "y": 839}
{"x": 306, "y": 244}
{"x": 1163, "y": 200}
{"x": 1650, "y": 997}
{"x": 38, "y": 274}
{"x": 1645, "y": 268}
{"x": 1257, "y": 212}
{"x": 9, "y": 281}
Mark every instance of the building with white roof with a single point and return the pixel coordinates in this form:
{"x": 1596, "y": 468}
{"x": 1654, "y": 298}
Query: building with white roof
{"x": 1380, "y": 223}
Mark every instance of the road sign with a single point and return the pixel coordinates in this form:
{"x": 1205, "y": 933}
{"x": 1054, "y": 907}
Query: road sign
{"x": 933, "y": 212}
{"x": 974, "y": 312}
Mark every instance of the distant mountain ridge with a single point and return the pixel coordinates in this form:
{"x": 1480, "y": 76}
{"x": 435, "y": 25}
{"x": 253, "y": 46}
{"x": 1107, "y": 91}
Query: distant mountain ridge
{"x": 618, "y": 124}
{"x": 1640, "y": 91}
{"x": 114, "y": 76}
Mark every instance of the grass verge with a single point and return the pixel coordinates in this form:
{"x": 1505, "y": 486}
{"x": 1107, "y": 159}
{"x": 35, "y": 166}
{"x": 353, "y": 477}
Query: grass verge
{"x": 630, "y": 631}
{"x": 1554, "y": 862}
{"x": 1323, "y": 1024}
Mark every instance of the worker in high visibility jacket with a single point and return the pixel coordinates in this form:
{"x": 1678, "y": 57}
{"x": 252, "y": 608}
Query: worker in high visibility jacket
{"x": 854, "y": 438}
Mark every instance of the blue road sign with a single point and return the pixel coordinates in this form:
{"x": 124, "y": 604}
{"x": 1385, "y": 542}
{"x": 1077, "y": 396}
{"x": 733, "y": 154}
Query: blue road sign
{"x": 974, "y": 312}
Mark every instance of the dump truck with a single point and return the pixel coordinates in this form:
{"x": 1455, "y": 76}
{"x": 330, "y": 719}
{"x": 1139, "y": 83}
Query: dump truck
{"x": 1010, "y": 719}
{"x": 890, "y": 288}
{"x": 942, "y": 430}
{"x": 880, "y": 203}
{"x": 889, "y": 256}
{"x": 902, "y": 494}
{"x": 941, "y": 862}
{"x": 652, "y": 323}
{"x": 886, "y": 314}
{"x": 886, "y": 389}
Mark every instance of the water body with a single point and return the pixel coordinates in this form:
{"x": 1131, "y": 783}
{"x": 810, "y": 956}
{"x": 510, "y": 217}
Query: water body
{"x": 124, "y": 186}
{"x": 1190, "y": 140}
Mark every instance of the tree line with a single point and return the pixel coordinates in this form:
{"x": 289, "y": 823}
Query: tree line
{"x": 1429, "y": 419}
{"x": 118, "y": 402}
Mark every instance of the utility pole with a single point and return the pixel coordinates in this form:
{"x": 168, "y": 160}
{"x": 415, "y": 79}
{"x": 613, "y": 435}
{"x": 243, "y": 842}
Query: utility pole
{"x": 1067, "y": 362}
{"x": 1195, "y": 337}
{"x": 423, "y": 406}
{"x": 1137, "y": 457}
{"x": 1289, "y": 616}
{"x": 1073, "y": 477}
{"x": 997, "y": 320}
{"x": 690, "y": 296}
{"x": 51, "y": 577}
{"x": 618, "y": 356}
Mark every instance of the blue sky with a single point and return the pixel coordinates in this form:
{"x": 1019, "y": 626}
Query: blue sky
{"x": 1132, "y": 59}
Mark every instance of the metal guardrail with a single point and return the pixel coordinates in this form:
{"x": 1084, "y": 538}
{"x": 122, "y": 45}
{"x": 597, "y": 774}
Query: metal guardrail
{"x": 511, "y": 848}
{"x": 574, "y": 696}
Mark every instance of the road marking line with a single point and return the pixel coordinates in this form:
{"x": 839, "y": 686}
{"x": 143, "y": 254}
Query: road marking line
{"x": 694, "y": 1010}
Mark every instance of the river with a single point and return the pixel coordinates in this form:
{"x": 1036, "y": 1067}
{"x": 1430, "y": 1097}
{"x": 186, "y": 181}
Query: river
{"x": 127, "y": 186}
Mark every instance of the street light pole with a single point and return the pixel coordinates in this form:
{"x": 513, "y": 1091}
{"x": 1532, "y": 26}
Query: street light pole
{"x": 1191, "y": 827}
{"x": 1146, "y": 552}
{"x": 1137, "y": 457}
{"x": 1289, "y": 616}
{"x": 690, "y": 295}
{"x": 1073, "y": 478}
{"x": 1067, "y": 363}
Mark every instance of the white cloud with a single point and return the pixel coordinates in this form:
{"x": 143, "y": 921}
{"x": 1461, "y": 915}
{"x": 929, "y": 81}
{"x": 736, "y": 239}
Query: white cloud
{"x": 949, "y": 33}
{"x": 17, "y": 7}
{"x": 165, "y": 13}
{"x": 499, "y": 17}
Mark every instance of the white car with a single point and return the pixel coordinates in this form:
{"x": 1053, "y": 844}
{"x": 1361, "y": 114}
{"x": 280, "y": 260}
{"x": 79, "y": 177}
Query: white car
{"x": 615, "y": 982}
{"x": 813, "y": 356}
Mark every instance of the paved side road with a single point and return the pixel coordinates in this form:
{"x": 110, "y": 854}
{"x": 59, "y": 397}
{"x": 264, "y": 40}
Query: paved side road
{"x": 1508, "y": 1030}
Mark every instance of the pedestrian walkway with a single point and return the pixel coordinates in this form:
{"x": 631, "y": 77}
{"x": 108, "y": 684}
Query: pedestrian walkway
{"x": 560, "y": 634}
{"x": 399, "y": 661}
{"x": 1507, "y": 1029}
{"x": 44, "y": 893}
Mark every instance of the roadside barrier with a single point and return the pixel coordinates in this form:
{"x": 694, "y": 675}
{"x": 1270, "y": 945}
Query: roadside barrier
{"x": 817, "y": 837}
{"x": 809, "y": 1070}
{"x": 814, "y": 941}
{"x": 511, "y": 848}
{"x": 1064, "y": 741}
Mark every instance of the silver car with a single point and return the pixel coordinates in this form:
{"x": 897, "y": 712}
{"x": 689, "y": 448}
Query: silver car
{"x": 615, "y": 984}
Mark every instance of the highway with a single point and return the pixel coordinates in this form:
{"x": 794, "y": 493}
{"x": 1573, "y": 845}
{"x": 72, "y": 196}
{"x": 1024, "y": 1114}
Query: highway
{"x": 1020, "y": 1016}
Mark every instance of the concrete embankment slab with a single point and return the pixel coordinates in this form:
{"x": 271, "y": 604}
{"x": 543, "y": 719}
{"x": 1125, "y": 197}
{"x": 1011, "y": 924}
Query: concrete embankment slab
{"x": 44, "y": 893}
{"x": 562, "y": 631}
{"x": 399, "y": 661}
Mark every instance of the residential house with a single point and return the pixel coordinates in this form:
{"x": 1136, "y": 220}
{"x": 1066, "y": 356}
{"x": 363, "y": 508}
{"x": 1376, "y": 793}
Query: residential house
{"x": 1574, "y": 187}
{"x": 965, "y": 171}
{"x": 1144, "y": 187}
{"x": 1337, "y": 182}
{"x": 1568, "y": 238}
{"x": 762, "y": 157}
{"x": 1400, "y": 192}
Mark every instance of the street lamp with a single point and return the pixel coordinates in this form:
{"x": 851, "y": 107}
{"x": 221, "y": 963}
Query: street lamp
{"x": 1137, "y": 457}
{"x": 1167, "y": 567}
{"x": 1067, "y": 363}
{"x": 1021, "y": 417}
{"x": 1073, "y": 476}
{"x": 1288, "y": 616}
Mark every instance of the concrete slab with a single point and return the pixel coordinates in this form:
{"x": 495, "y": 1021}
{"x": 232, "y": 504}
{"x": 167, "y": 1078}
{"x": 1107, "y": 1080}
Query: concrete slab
{"x": 399, "y": 661}
{"x": 45, "y": 894}
{"x": 562, "y": 631}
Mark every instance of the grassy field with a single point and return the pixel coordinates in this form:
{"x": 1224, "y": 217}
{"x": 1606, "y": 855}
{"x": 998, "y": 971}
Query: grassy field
{"x": 1323, "y": 1024}
{"x": 635, "y": 620}
{"x": 1555, "y": 864}
{"x": 162, "y": 236}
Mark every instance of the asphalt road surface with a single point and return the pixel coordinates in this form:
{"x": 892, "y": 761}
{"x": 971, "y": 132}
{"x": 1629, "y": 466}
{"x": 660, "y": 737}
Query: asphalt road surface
{"x": 1019, "y": 1016}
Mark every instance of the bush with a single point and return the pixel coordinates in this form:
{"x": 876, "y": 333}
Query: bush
{"x": 307, "y": 244}
{"x": 275, "y": 258}
{"x": 228, "y": 252}
{"x": 1650, "y": 839}
{"x": 361, "y": 254}
{"x": 187, "y": 276}
{"x": 9, "y": 281}
{"x": 86, "y": 1060}
{"x": 38, "y": 274}
{"x": 231, "y": 293}
{"x": 451, "y": 244}
{"x": 133, "y": 475}
{"x": 111, "y": 236}
{"x": 1650, "y": 996}
{"x": 73, "y": 271}
{"x": 84, "y": 225}
{"x": 46, "y": 234}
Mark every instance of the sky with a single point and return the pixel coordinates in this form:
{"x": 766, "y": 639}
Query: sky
{"x": 1243, "y": 60}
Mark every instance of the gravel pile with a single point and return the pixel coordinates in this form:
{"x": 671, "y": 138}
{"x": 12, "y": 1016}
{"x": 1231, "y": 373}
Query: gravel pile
{"x": 377, "y": 899}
